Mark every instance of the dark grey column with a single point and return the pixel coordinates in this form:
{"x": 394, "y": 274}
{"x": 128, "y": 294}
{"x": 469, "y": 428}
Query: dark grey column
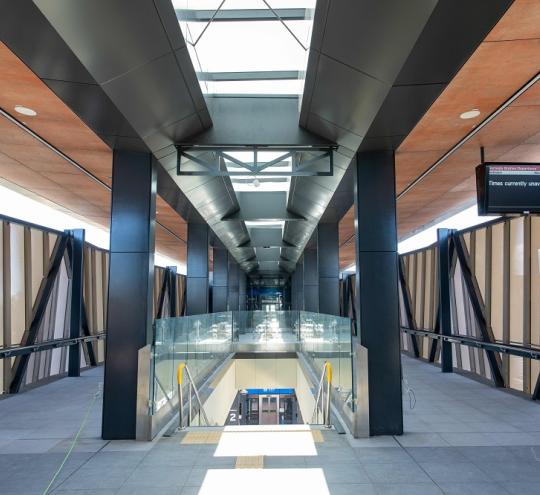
{"x": 233, "y": 293}
{"x": 445, "y": 308}
{"x": 328, "y": 249}
{"x": 242, "y": 290}
{"x": 197, "y": 269}
{"x": 131, "y": 283}
{"x": 376, "y": 289}
{"x": 311, "y": 280}
{"x": 294, "y": 290}
{"x": 221, "y": 280}
{"x": 300, "y": 282}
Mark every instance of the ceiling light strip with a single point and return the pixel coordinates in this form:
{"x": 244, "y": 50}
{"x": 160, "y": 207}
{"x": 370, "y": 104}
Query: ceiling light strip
{"x": 471, "y": 134}
{"x": 72, "y": 162}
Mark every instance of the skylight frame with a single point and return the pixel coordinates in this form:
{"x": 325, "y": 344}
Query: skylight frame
{"x": 262, "y": 44}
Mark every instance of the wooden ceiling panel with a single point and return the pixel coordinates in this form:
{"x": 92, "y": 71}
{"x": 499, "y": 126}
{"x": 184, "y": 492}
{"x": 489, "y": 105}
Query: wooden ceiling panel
{"x": 31, "y": 165}
{"x": 521, "y": 21}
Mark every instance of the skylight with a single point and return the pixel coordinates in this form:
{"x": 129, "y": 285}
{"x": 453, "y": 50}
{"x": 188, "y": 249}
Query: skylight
{"x": 249, "y": 43}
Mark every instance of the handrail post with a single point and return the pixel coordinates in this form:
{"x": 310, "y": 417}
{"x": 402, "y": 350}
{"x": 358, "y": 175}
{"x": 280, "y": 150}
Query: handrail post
{"x": 328, "y": 392}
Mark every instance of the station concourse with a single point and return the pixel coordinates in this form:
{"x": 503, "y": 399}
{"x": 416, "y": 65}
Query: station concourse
{"x": 270, "y": 245}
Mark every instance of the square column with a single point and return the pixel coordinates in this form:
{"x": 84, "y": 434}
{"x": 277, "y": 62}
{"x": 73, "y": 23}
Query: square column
{"x": 197, "y": 269}
{"x": 297, "y": 286}
{"x": 131, "y": 284}
{"x": 233, "y": 288}
{"x": 376, "y": 287}
{"x": 311, "y": 280}
{"x": 242, "y": 290}
{"x": 328, "y": 259}
{"x": 220, "y": 284}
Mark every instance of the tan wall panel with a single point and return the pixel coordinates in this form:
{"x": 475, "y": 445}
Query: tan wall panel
{"x": 427, "y": 291}
{"x": 516, "y": 298}
{"x": 37, "y": 261}
{"x": 2, "y": 341}
{"x": 18, "y": 321}
{"x": 98, "y": 273}
{"x": 535, "y": 293}
{"x": 419, "y": 299}
{"x": 480, "y": 261}
{"x": 497, "y": 280}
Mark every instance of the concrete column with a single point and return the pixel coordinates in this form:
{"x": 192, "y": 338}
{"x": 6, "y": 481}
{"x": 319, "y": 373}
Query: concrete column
{"x": 197, "y": 269}
{"x": 221, "y": 280}
{"x": 376, "y": 287}
{"x": 328, "y": 259}
{"x": 131, "y": 282}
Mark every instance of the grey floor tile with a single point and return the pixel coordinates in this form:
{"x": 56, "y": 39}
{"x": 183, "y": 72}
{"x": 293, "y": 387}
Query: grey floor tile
{"x": 159, "y": 477}
{"x": 396, "y": 473}
{"x": 473, "y": 488}
{"x": 377, "y": 455}
{"x": 130, "y": 489}
{"x": 351, "y": 489}
{"x": 436, "y": 454}
{"x": 453, "y": 471}
{"x": 422, "y": 440}
{"x": 407, "y": 489}
{"x": 521, "y": 488}
{"x": 351, "y": 472}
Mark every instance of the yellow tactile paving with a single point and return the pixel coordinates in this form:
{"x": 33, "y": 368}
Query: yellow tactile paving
{"x": 250, "y": 462}
{"x": 201, "y": 437}
{"x": 317, "y": 436}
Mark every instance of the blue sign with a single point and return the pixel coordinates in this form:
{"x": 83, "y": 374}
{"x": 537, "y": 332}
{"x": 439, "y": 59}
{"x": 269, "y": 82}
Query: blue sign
{"x": 270, "y": 391}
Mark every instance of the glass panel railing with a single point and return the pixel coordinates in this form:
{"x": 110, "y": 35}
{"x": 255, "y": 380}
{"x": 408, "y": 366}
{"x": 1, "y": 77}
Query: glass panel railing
{"x": 202, "y": 342}
{"x": 255, "y": 327}
{"x": 328, "y": 338}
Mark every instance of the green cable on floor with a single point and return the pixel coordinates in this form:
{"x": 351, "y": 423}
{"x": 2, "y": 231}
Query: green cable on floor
{"x": 97, "y": 395}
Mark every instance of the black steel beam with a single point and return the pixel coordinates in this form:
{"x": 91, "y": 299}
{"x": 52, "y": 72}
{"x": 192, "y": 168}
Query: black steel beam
{"x": 445, "y": 308}
{"x": 262, "y": 75}
{"x": 241, "y": 15}
{"x": 536, "y": 393}
{"x": 171, "y": 270}
{"x": 40, "y": 306}
{"x": 407, "y": 306}
{"x": 76, "y": 256}
{"x": 475, "y": 296}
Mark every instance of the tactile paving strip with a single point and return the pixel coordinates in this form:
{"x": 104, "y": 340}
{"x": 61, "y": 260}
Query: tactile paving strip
{"x": 201, "y": 437}
{"x": 250, "y": 462}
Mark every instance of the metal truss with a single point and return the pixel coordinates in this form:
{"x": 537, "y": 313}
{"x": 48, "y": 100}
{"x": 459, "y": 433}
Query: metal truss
{"x": 301, "y": 159}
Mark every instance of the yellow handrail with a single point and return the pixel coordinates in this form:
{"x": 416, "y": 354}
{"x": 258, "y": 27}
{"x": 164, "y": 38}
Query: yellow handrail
{"x": 179, "y": 373}
{"x": 328, "y": 371}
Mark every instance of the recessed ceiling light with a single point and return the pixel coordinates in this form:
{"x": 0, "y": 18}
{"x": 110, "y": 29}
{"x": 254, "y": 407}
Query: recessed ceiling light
{"x": 25, "y": 111}
{"x": 471, "y": 114}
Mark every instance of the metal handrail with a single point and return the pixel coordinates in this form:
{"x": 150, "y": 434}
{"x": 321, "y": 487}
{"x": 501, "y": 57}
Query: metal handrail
{"x": 323, "y": 396}
{"x": 512, "y": 349}
{"x": 19, "y": 350}
{"x": 192, "y": 386}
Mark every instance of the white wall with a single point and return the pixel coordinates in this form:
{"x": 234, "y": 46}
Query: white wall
{"x": 306, "y": 401}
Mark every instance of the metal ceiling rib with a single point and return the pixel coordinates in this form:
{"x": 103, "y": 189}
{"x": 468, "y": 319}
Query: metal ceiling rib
{"x": 452, "y": 34}
{"x": 356, "y": 53}
{"x": 140, "y": 60}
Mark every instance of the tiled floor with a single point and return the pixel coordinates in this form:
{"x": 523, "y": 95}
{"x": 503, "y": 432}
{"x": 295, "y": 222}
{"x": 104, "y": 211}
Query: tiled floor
{"x": 462, "y": 437}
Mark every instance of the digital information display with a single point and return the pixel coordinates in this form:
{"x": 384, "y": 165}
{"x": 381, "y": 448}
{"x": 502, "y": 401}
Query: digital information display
{"x": 508, "y": 188}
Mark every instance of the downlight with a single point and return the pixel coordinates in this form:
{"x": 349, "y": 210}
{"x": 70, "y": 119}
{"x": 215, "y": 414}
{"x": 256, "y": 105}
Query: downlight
{"x": 28, "y": 112}
{"x": 471, "y": 114}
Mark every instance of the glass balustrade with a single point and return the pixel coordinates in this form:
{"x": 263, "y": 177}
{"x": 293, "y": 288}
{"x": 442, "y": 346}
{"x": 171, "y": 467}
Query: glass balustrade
{"x": 203, "y": 342}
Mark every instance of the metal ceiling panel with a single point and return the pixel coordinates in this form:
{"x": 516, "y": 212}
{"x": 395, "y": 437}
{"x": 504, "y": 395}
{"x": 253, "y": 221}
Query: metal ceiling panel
{"x": 452, "y": 34}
